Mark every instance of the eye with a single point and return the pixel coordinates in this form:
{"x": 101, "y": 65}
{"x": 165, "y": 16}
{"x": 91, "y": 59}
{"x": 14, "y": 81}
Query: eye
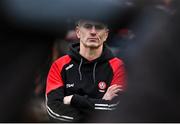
{"x": 99, "y": 26}
{"x": 88, "y": 26}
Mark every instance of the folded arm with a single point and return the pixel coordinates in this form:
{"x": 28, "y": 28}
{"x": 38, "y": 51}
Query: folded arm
{"x": 107, "y": 102}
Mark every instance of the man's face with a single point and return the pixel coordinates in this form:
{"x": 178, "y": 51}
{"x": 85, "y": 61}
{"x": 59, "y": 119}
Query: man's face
{"x": 92, "y": 34}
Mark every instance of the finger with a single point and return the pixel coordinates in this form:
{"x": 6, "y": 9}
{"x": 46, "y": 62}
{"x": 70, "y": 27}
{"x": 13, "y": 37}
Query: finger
{"x": 113, "y": 95}
{"x": 115, "y": 87}
{"x": 119, "y": 86}
{"x": 117, "y": 90}
{"x": 112, "y": 86}
{"x": 113, "y": 92}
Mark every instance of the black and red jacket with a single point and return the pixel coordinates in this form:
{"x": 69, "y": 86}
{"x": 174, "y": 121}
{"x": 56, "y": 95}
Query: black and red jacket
{"x": 86, "y": 80}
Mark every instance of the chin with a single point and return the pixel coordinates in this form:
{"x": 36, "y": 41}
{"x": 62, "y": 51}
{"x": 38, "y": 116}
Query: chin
{"x": 93, "y": 45}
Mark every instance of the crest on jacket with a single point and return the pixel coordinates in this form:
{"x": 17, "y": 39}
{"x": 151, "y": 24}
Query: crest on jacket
{"x": 102, "y": 86}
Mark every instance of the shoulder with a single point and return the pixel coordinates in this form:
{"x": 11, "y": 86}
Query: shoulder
{"x": 63, "y": 59}
{"x": 60, "y": 62}
{"x": 116, "y": 61}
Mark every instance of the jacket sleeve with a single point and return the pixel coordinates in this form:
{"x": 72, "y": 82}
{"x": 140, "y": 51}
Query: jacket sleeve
{"x": 92, "y": 104}
{"x": 100, "y": 104}
{"x": 119, "y": 76}
{"x": 57, "y": 110}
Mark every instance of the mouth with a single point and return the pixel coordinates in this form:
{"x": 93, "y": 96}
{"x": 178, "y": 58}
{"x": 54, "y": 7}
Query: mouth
{"x": 92, "y": 38}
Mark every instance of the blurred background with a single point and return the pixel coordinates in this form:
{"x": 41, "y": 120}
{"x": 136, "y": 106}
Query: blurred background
{"x": 143, "y": 33}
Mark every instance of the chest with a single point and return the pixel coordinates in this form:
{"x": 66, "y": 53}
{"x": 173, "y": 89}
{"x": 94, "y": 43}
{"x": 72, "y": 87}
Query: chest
{"x": 87, "y": 79}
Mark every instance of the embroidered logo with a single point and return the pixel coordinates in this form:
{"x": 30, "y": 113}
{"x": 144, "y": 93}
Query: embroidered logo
{"x": 68, "y": 67}
{"x": 102, "y": 86}
{"x": 69, "y": 85}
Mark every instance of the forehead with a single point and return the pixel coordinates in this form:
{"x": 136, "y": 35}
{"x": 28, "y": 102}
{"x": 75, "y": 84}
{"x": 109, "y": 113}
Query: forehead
{"x": 82, "y": 22}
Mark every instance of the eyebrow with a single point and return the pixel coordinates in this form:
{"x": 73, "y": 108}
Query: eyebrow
{"x": 93, "y": 24}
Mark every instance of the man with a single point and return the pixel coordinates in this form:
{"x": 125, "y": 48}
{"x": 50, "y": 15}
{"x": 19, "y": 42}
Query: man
{"x": 87, "y": 80}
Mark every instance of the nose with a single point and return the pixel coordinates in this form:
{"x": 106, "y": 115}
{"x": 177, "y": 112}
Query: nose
{"x": 93, "y": 30}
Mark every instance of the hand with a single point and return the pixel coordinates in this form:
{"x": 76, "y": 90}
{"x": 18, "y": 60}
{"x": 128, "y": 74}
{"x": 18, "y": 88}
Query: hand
{"x": 112, "y": 92}
{"x": 67, "y": 100}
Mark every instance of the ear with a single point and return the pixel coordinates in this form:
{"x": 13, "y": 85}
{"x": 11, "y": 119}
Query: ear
{"x": 77, "y": 31}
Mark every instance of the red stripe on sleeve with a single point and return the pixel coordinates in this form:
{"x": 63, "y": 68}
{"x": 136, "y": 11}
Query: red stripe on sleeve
{"x": 118, "y": 72}
{"x": 54, "y": 79}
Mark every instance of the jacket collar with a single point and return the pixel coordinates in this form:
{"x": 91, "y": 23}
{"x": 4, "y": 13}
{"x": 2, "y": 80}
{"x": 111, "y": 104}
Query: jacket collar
{"x": 74, "y": 53}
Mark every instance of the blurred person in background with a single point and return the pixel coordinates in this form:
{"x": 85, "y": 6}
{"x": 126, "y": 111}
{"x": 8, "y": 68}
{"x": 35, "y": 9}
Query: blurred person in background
{"x": 61, "y": 45}
{"x": 166, "y": 6}
{"x": 87, "y": 81}
{"x": 153, "y": 68}
{"x": 123, "y": 38}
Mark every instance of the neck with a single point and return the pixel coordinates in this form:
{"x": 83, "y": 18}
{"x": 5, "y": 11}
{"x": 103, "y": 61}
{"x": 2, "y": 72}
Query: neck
{"x": 90, "y": 53}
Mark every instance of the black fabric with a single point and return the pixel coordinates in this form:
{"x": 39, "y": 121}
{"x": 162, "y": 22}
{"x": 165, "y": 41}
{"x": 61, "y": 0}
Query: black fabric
{"x": 55, "y": 101}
